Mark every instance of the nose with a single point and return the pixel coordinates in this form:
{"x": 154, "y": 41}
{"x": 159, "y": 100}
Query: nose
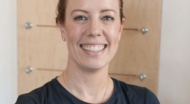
{"x": 94, "y": 28}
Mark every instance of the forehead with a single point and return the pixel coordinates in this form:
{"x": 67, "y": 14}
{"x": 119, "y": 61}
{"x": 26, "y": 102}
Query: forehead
{"x": 93, "y": 5}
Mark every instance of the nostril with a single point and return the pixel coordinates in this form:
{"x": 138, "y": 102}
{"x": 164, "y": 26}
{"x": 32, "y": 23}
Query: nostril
{"x": 95, "y": 33}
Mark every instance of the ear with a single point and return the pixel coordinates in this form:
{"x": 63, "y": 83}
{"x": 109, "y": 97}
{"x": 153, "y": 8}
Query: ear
{"x": 121, "y": 28}
{"x": 63, "y": 32}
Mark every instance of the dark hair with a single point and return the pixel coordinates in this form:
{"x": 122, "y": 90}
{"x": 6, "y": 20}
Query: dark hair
{"x": 61, "y": 10}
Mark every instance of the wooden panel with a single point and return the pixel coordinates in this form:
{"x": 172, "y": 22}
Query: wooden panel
{"x": 138, "y": 53}
{"x": 39, "y": 47}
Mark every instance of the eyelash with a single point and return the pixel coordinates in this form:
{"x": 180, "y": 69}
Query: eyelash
{"x": 84, "y": 18}
{"x": 80, "y": 18}
{"x": 108, "y": 18}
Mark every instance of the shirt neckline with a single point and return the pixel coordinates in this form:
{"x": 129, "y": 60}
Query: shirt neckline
{"x": 83, "y": 102}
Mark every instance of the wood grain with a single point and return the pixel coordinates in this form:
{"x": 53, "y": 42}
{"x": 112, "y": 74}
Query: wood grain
{"x": 139, "y": 53}
{"x": 38, "y": 47}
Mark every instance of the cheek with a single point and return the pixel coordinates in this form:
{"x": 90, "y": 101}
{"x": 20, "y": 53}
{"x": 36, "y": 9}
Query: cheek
{"x": 76, "y": 29}
{"x": 73, "y": 32}
{"x": 113, "y": 34}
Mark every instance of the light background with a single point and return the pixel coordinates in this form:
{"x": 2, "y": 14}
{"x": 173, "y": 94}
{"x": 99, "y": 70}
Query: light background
{"x": 8, "y": 51}
{"x": 174, "y": 71}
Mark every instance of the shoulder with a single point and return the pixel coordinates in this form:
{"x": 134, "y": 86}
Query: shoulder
{"x": 137, "y": 94}
{"x": 37, "y": 96}
{"x": 33, "y": 97}
{"x": 24, "y": 99}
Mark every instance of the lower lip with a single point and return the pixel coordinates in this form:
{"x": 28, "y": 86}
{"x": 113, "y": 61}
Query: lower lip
{"x": 98, "y": 53}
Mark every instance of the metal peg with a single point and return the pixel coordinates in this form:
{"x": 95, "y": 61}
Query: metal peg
{"x": 144, "y": 30}
{"x": 142, "y": 77}
{"x": 29, "y": 69}
{"x": 28, "y": 25}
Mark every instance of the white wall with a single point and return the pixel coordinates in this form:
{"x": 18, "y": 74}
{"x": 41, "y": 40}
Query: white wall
{"x": 8, "y": 52}
{"x": 174, "y": 78}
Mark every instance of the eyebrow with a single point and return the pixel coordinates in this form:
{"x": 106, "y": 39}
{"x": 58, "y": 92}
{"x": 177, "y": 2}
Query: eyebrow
{"x": 105, "y": 10}
{"x": 79, "y": 10}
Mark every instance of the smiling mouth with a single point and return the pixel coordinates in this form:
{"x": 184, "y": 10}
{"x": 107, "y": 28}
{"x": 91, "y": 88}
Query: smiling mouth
{"x": 93, "y": 48}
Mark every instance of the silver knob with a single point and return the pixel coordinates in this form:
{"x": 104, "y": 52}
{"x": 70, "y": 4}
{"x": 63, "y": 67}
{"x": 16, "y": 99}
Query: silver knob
{"x": 142, "y": 77}
{"x": 28, "y": 25}
{"x": 144, "y": 30}
{"x": 29, "y": 69}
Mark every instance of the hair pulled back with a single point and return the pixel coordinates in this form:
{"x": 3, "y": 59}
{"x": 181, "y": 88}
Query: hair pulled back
{"x": 61, "y": 11}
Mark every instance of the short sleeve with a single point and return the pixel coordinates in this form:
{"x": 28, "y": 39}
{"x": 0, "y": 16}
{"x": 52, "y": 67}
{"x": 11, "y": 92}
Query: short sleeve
{"x": 151, "y": 98}
{"x": 23, "y": 99}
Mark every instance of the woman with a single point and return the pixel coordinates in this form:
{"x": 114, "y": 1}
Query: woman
{"x": 92, "y": 30}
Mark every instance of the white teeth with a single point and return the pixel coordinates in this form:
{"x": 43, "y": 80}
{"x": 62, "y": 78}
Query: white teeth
{"x": 94, "y": 48}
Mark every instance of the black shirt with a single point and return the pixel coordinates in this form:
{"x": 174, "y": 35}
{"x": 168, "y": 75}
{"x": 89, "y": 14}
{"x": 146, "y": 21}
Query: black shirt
{"x": 54, "y": 93}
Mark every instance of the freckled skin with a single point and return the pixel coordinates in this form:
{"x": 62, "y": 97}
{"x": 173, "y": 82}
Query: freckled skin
{"x": 93, "y": 28}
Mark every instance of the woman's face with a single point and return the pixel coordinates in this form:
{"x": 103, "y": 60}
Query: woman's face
{"x": 92, "y": 30}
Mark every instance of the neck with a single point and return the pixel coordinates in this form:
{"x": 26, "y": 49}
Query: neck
{"x": 84, "y": 84}
{"x": 86, "y": 81}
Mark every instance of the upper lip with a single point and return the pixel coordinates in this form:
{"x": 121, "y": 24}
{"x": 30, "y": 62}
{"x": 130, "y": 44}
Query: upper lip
{"x": 93, "y": 44}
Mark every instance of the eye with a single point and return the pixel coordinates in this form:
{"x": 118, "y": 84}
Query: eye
{"x": 80, "y": 18}
{"x": 108, "y": 18}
